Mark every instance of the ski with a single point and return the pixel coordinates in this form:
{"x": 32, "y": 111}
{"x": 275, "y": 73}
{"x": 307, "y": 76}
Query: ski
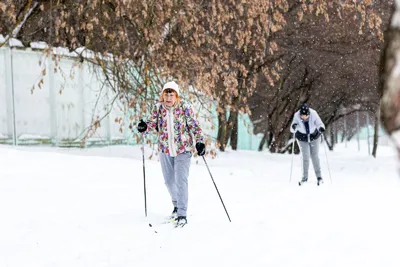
{"x": 180, "y": 224}
{"x": 169, "y": 220}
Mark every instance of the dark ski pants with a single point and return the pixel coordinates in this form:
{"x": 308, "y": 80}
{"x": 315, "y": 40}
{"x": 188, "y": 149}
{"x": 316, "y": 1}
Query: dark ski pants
{"x": 176, "y": 173}
{"x": 310, "y": 150}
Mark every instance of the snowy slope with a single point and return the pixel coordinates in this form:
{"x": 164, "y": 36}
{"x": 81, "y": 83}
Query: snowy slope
{"x": 85, "y": 208}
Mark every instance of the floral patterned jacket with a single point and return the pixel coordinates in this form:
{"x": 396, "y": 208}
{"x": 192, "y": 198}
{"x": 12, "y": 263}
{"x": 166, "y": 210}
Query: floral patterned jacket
{"x": 176, "y": 128}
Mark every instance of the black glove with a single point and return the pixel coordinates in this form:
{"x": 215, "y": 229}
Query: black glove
{"x": 201, "y": 149}
{"x": 321, "y": 129}
{"x": 142, "y": 126}
{"x": 294, "y": 126}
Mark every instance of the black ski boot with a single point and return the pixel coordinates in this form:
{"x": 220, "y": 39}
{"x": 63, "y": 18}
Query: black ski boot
{"x": 304, "y": 180}
{"x": 181, "y": 221}
{"x": 174, "y": 215}
{"x": 319, "y": 181}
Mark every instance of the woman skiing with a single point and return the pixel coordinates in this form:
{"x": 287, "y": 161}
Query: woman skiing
{"x": 307, "y": 126}
{"x": 176, "y": 125}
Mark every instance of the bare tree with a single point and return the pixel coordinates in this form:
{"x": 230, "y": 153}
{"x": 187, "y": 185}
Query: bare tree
{"x": 220, "y": 47}
{"x": 389, "y": 79}
{"x": 331, "y": 66}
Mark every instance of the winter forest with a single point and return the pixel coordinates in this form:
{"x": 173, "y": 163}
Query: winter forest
{"x": 262, "y": 60}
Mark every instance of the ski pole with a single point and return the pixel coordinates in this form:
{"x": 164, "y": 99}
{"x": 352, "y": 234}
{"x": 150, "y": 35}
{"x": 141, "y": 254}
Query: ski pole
{"x": 144, "y": 178}
{"x": 291, "y": 166}
{"x": 326, "y": 154}
{"x": 216, "y": 189}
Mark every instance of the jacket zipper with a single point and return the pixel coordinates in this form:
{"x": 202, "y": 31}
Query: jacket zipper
{"x": 171, "y": 137}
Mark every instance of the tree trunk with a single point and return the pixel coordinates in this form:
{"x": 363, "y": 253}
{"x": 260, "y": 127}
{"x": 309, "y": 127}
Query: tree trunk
{"x": 221, "y": 137}
{"x": 272, "y": 146}
{"x": 350, "y": 136}
{"x": 232, "y": 126}
{"x": 262, "y": 142}
{"x": 278, "y": 142}
{"x": 229, "y": 127}
{"x": 336, "y": 133}
{"x": 343, "y": 137}
{"x": 332, "y": 133}
{"x": 234, "y": 131}
{"x": 267, "y": 139}
{"x": 296, "y": 148}
{"x": 376, "y": 134}
{"x": 270, "y": 139}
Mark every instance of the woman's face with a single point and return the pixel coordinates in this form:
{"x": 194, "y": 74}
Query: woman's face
{"x": 169, "y": 96}
{"x": 304, "y": 117}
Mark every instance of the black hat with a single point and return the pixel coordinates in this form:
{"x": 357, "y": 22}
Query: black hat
{"x": 304, "y": 110}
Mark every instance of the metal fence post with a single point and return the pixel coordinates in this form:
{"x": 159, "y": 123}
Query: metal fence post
{"x": 15, "y": 137}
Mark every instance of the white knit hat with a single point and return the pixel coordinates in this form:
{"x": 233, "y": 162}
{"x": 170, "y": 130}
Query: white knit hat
{"x": 171, "y": 85}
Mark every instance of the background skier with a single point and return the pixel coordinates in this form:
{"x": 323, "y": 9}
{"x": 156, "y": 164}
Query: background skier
{"x": 307, "y": 126}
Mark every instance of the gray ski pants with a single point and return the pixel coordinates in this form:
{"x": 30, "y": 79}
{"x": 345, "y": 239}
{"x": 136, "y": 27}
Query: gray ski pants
{"x": 176, "y": 173}
{"x": 307, "y": 150}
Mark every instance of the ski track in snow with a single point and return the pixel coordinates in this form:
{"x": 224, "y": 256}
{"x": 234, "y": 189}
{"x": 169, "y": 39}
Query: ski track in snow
{"x": 71, "y": 207}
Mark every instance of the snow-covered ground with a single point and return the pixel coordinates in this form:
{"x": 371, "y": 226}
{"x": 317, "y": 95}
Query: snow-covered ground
{"x": 85, "y": 208}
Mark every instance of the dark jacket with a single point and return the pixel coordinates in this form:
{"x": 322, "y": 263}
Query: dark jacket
{"x": 303, "y": 137}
